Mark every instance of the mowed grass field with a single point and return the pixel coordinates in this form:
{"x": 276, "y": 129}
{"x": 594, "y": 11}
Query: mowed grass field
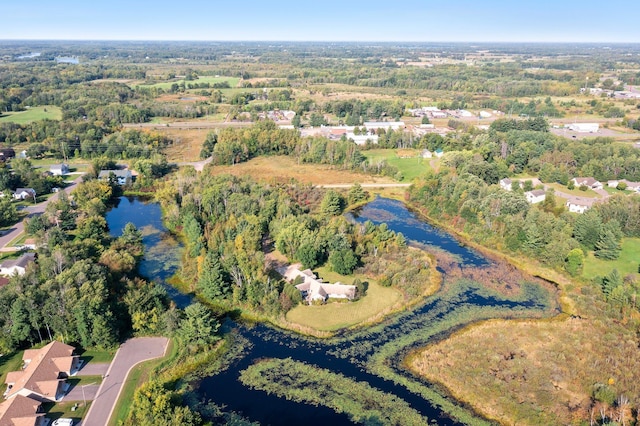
{"x": 32, "y": 114}
{"x": 283, "y": 169}
{"x": 408, "y": 161}
{"x": 626, "y": 264}
{"x": 335, "y": 315}
{"x": 233, "y": 82}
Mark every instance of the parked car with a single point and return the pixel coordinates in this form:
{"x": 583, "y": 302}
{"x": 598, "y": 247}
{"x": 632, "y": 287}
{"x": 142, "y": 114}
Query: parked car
{"x": 62, "y": 422}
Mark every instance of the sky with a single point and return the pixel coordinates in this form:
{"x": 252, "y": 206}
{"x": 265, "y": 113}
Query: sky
{"x": 324, "y": 20}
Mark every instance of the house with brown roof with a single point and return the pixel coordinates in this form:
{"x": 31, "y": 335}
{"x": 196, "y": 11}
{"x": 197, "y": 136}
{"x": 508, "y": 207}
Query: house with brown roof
{"x": 21, "y": 411}
{"x": 43, "y": 376}
{"x": 313, "y": 289}
{"x": 589, "y": 182}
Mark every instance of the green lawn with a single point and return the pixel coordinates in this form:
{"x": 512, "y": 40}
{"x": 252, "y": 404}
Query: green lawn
{"x": 334, "y": 316}
{"x": 233, "y": 82}
{"x": 97, "y": 357}
{"x": 9, "y": 362}
{"x": 626, "y": 264}
{"x": 410, "y": 164}
{"x": 589, "y": 193}
{"x": 32, "y": 114}
{"x": 66, "y": 410}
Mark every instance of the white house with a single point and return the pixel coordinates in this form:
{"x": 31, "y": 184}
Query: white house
{"x": 313, "y": 289}
{"x": 123, "y": 177}
{"x": 59, "y": 169}
{"x": 24, "y": 193}
{"x": 577, "y": 206}
{"x": 535, "y": 196}
{"x": 584, "y": 127}
{"x": 589, "y": 182}
{"x": 17, "y": 266}
{"x": 386, "y": 125}
{"x": 362, "y": 139}
{"x": 506, "y": 184}
{"x": 427, "y": 154}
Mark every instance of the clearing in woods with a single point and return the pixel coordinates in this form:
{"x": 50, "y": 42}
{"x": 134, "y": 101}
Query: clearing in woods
{"x": 284, "y": 169}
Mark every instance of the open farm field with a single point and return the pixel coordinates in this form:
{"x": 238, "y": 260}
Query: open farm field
{"x": 187, "y": 143}
{"x": 627, "y": 263}
{"x": 408, "y": 161}
{"x": 32, "y": 114}
{"x": 284, "y": 169}
{"x": 233, "y": 82}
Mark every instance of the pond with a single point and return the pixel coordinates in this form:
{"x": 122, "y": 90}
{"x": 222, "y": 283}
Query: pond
{"x": 162, "y": 251}
{"x": 372, "y": 355}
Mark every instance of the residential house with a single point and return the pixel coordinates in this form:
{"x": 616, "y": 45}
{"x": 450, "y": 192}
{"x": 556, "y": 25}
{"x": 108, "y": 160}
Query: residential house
{"x": 631, "y": 186}
{"x": 506, "y": 184}
{"x": 439, "y": 152}
{"x": 362, "y": 139}
{"x": 59, "y": 169}
{"x": 584, "y": 127}
{"x": 123, "y": 177}
{"x": 22, "y": 411}
{"x": 44, "y": 374}
{"x": 386, "y": 125}
{"x": 17, "y": 266}
{"x": 535, "y": 196}
{"x": 578, "y": 206}
{"x": 24, "y": 193}
{"x": 313, "y": 289}
{"x": 427, "y": 154}
{"x": 589, "y": 182}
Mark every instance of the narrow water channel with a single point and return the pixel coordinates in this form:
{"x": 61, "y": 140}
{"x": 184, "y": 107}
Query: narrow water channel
{"x": 351, "y": 354}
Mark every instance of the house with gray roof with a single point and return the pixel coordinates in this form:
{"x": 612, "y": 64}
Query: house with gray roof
{"x": 123, "y": 177}
{"x": 17, "y": 266}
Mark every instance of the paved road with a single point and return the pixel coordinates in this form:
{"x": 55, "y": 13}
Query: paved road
{"x": 367, "y": 185}
{"x": 182, "y": 125}
{"x": 131, "y": 352}
{"x": 34, "y": 210}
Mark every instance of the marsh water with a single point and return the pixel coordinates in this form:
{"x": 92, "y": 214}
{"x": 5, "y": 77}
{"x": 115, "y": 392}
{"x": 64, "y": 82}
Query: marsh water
{"x": 354, "y": 354}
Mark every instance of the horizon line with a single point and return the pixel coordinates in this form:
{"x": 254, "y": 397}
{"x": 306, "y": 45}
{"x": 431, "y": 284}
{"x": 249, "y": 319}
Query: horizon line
{"x": 313, "y": 41}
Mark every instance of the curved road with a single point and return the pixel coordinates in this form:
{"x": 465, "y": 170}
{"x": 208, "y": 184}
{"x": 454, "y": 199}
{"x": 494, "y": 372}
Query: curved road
{"x": 130, "y": 353}
{"x": 34, "y": 210}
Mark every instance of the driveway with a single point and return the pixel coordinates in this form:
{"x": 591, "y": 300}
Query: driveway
{"x": 131, "y": 352}
{"x": 93, "y": 369}
{"x": 82, "y": 393}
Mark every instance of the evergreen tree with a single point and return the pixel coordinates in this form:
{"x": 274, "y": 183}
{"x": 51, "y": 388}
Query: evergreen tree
{"x": 356, "y": 194}
{"x": 212, "y": 281}
{"x": 611, "y": 282}
{"x": 332, "y": 203}
{"x": 608, "y": 245}
{"x": 199, "y": 327}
